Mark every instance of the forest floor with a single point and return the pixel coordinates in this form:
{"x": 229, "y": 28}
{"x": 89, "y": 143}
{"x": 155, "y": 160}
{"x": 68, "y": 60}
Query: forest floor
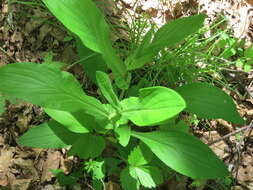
{"x": 28, "y": 33}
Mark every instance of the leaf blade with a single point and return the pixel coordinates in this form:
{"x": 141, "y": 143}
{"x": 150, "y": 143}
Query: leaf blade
{"x": 210, "y": 102}
{"x": 48, "y": 135}
{"x": 154, "y": 105}
{"x": 94, "y": 35}
{"x": 184, "y": 153}
{"x": 42, "y": 85}
{"x": 176, "y": 31}
{"x": 91, "y": 149}
{"x": 70, "y": 120}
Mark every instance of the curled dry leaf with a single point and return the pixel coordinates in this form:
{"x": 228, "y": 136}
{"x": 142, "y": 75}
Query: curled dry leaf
{"x": 52, "y": 162}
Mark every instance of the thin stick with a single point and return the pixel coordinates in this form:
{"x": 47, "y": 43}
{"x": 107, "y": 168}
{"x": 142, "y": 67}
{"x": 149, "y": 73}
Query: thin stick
{"x": 245, "y": 128}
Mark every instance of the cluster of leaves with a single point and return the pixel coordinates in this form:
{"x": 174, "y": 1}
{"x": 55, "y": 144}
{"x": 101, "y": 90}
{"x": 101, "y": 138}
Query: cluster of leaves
{"x": 86, "y": 124}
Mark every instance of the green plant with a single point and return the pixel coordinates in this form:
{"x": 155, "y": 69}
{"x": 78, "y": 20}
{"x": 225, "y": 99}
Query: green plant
{"x": 142, "y": 128}
{"x": 199, "y": 58}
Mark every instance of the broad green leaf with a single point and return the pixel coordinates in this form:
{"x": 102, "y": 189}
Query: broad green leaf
{"x": 167, "y": 36}
{"x": 154, "y": 105}
{"x": 124, "y": 133}
{"x": 210, "y": 102}
{"x": 176, "y": 31}
{"x": 84, "y": 19}
{"x": 127, "y": 181}
{"x": 88, "y": 146}
{"x": 184, "y": 153}
{"x": 51, "y": 88}
{"x": 140, "y": 155}
{"x": 72, "y": 121}
{"x": 48, "y": 135}
{"x": 106, "y": 88}
{"x": 148, "y": 176}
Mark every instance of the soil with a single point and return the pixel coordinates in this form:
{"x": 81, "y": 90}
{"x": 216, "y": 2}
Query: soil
{"x": 29, "y": 33}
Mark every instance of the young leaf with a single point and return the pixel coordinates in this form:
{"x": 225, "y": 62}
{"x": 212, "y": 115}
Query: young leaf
{"x": 88, "y": 23}
{"x": 96, "y": 168}
{"x": 51, "y": 88}
{"x": 88, "y": 146}
{"x": 184, "y": 153}
{"x": 48, "y": 135}
{"x": 72, "y": 121}
{"x": 140, "y": 155}
{"x": 210, "y": 102}
{"x": 148, "y": 176}
{"x": 124, "y": 133}
{"x": 154, "y": 105}
{"x": 105, "y": 86}
{"x": 127, "y": 181}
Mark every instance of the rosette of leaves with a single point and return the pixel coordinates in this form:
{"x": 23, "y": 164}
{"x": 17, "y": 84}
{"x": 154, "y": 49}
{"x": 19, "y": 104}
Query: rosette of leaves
{"x": 83, "y": 122}
{"x": 80, "y": 121}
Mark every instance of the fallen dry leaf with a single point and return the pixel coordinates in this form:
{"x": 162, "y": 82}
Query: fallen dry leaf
{"x": 52, "y": 162}
{"x": 245, "y": 172}
{"x": 26, "y": 168}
